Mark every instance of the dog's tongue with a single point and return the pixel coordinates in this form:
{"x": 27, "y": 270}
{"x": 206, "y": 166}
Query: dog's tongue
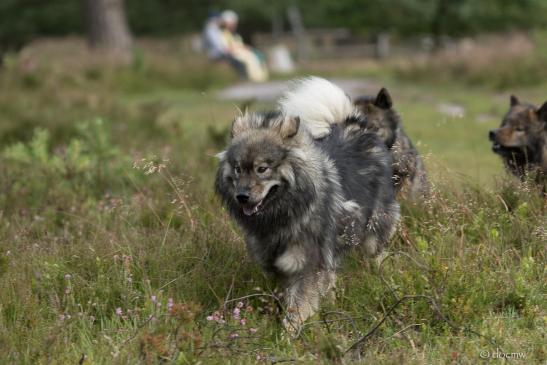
{"x": 248, "y": 211}
{"x": 251, "y": 210}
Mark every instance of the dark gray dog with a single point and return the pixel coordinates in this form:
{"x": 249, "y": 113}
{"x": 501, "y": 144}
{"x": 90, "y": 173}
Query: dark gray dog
{"x": 409, "y": 176}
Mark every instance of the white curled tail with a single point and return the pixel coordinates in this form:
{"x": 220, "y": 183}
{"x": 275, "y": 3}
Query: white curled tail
{"x": 318, "y": 102}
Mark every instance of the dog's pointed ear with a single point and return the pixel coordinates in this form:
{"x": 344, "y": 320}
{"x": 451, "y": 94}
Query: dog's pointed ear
{"x": 542, "y": 113}
{"x": 383, "y": 99}
{"x": 238, "y": 126}
{"x": 289, "y": 127}
{"x": 514, "y": 100}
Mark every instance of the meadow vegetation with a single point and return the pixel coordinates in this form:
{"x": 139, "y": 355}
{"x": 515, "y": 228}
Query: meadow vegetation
{"x": 114, "y": 249}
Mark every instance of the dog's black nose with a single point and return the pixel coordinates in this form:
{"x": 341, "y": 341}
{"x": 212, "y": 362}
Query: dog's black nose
{"x": 242, "y": 197}
{"x": 492, "y": 135}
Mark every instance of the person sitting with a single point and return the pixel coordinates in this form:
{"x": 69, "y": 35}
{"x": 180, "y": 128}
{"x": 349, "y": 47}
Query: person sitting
{"x": 214, "y": 43}
{"x": 224, "y": 44}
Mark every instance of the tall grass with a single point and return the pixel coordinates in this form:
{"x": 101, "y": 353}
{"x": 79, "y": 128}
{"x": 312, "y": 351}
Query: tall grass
{"x": 114, "y": 249}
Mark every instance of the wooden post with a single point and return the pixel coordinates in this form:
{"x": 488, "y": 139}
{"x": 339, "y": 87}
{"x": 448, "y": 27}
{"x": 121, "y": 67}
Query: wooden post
{"x": 297, "y": 26}
{"x": 382, "y": 46}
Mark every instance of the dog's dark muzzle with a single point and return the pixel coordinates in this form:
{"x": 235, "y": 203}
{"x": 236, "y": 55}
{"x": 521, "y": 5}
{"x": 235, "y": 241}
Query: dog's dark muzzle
{"x": 492, "y": 135}
{"x": 496, "y": 147}
{"x": 242, "y": 197}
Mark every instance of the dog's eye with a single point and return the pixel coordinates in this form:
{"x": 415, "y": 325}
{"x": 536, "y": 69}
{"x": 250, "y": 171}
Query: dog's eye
{"x": 261, "y": 169}
{"x": 519, "y": 128}
{"x": 237, "y": 169}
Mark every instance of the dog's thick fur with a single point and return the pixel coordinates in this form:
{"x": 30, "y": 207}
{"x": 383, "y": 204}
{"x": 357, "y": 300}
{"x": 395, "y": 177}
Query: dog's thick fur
{"x": 521, "y": 140}
{"x": 302, "y": 200}
{"x": 409, "y": 175}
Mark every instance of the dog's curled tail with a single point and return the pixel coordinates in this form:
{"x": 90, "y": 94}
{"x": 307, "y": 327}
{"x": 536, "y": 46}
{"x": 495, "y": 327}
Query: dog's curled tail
{"x": 318, "y": 103}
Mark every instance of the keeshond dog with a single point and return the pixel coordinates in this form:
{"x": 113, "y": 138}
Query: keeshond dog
{"x": 409, "y": 175}
{"x": 305, "y": 183}
{"x": 521, "y": 140}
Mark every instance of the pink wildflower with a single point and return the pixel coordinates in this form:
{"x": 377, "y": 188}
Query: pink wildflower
{"x": 119, "y": 311}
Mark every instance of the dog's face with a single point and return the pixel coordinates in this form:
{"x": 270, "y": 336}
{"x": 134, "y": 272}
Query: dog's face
{"x": 255, "y": 170}
{"x": 519, "y": 128}
{"x": 380, "y": 116}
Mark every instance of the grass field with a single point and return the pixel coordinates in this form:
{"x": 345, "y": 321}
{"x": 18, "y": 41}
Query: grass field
{"x": 114, "y": 249}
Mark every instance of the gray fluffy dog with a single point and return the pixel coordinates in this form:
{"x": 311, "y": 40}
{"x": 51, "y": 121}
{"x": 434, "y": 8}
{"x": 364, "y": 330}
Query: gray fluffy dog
{"x": 305, "y": 183}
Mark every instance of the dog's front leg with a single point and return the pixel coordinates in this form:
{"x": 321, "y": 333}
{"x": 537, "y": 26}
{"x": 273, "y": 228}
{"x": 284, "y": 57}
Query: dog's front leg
{"x": 302, "y": 297}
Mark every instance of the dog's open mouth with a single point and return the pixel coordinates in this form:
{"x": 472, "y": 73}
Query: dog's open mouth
{"x": 496, "y": 147}
{"x": 252, "y": 209}
{"x": 504, "y": 150}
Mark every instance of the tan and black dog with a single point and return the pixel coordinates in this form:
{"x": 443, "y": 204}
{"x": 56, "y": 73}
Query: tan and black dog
{"x": 521, "y": 140}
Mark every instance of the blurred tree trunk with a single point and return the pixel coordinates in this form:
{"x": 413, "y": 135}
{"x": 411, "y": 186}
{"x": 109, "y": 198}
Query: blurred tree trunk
{"x": 107, "y": 27}
{"x": 445, "y": 17}
{"x": 437, "y": 24}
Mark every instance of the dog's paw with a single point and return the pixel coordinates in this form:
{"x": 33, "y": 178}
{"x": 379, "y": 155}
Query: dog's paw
{"x": 290, "y": 326}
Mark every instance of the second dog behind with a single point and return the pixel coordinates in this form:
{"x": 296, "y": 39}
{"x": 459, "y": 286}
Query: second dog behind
{"x": 409, "y": 175}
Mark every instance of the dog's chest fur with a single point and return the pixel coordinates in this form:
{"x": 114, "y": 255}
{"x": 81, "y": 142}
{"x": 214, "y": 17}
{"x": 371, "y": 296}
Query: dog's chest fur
{"x": 290, "y": 249}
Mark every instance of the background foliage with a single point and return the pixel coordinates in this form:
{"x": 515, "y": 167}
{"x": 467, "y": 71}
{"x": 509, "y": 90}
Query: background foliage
{"x": 22, "y": 20}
